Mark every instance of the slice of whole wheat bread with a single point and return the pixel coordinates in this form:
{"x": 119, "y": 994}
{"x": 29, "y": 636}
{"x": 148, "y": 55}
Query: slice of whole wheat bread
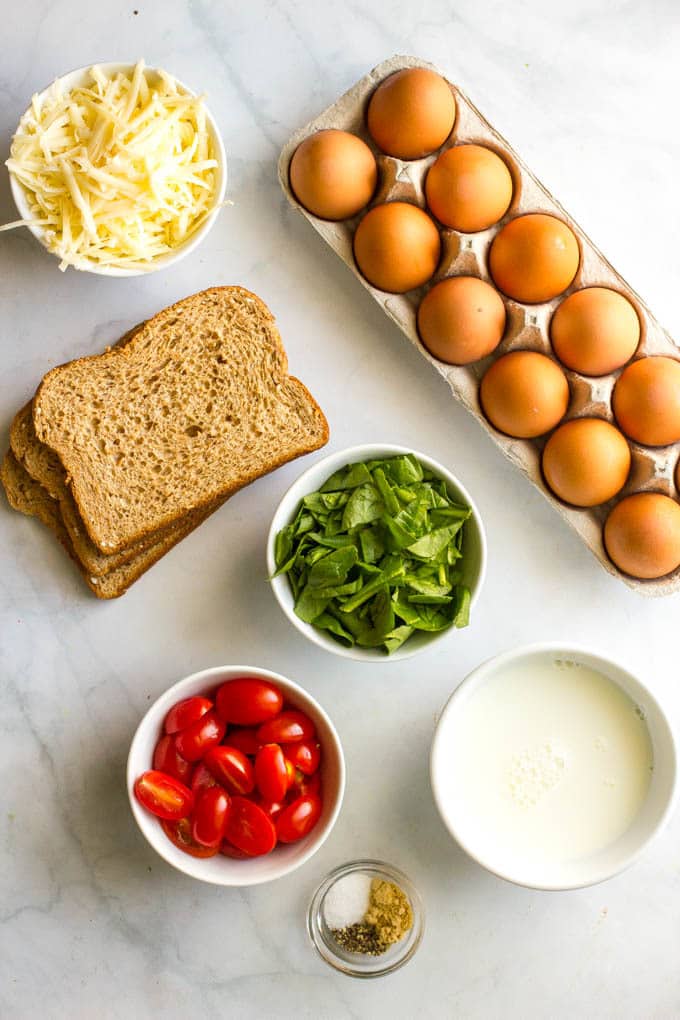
{"x": 45, "y": 467}
{"x": 29, "y": 497}
{"x": 195, "y": 406}
{"x": 39, "y": 460}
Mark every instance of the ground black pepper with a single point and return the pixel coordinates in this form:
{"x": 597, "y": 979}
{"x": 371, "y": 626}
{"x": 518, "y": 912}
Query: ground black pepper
{"x": 360, "y": 938}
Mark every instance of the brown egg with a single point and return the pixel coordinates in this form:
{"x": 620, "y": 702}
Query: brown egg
{"x": 646, "y": 401}
{"x": 469, "y": 188}
{"x": 461, "y": 320}
{"x": 595, "y": 331}
{"x": 333, "y": 174}
{"x": 411, "y": 113}
{"x": 524, "y": 394}
{"x": 642, "y": 535}
{"x": 586, "y": 461}
{"x": 396, "y": 247}
{"x": 534, "y": 258}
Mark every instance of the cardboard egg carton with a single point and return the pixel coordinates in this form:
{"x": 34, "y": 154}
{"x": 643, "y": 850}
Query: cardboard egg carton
{"x": 527, "y": 325}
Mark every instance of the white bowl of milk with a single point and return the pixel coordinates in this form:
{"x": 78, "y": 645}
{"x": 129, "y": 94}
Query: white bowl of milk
{"x": 553, "y": 767}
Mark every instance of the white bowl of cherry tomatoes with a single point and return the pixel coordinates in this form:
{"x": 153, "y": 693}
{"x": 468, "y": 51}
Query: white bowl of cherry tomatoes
{"x": 236, "y": 775}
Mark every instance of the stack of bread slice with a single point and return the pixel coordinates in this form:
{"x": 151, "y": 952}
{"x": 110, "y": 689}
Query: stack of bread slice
{"x": 125, "y": 453}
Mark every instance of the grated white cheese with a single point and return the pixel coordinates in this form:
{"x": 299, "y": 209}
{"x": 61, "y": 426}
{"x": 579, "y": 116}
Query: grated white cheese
{"x": 116, "y": 172}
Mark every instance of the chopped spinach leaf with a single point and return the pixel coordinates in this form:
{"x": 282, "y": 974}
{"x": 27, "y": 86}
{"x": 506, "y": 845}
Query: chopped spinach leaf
{"x": 376, "y": 554}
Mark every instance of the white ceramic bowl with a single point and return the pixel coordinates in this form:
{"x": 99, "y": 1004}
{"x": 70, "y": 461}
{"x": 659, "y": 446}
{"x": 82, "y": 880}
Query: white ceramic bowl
{"x": 74, "y": 79}
{"x": 474, "y": 565}
{"x": 221, "y": 870}
{"x": 612, "y": 859}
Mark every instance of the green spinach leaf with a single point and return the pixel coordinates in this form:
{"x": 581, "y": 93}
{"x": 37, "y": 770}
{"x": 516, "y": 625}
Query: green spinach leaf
{"x": 376, "y": 554}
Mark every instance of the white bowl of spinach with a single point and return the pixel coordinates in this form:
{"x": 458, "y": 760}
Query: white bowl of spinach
{"x": 376, "y": 552}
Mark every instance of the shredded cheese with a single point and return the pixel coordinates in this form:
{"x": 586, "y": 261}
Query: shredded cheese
{"x": 117, "y": 172}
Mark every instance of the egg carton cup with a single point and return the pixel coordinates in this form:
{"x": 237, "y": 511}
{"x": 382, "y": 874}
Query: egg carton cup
{"x": 652, "y": 469}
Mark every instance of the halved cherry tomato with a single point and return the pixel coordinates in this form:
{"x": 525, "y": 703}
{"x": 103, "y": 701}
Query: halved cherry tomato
{"x": 193, "y": 742}
{"x": 167, "y": 759}
{"x": 247, "y": 701}
{"x": 271, "y": 807}
{"x": 304, "y": 785}
{"x": 245, "y": 740}
{"x": 233, "y": 851}
{"x": 271, "y": 774}
{"x": 179, "y": 833}
{"x": 163, "y": 796}
{"x": 210, "y": 816}
{"x": 249, "y": 828}
{"x": 186, "y": 712}
{"x": 231, "y": 768}
{"x": 288, "y": 727}
{"x": 202, "y": 779}
{"x": 298, "y": 818}
{"x": 305, "y": 755}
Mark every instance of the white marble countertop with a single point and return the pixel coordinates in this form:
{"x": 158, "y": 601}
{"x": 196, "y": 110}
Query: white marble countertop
{"x": 93, "y": 924}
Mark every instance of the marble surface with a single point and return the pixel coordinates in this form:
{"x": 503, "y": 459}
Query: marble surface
{"x": 92, "y": 923}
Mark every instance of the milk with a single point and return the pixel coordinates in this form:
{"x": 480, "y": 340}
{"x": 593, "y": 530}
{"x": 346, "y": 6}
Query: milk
{"x": 549, "y": 761}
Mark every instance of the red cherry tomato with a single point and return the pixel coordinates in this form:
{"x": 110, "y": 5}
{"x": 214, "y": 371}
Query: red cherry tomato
{"x": 249, "y": 828}
{"x": 298, "y": 818}
{"x": 271, "y": 774}
{"x": 247, "y": 701}
{"x": 163, "y": 796}
{"x": 304, "y": 785}
{"x": 271, "y": 807}
{"x": 210, "y": 816}
{"x": 202, "y": 779}
{"x": 167, "y": 759}
{"x": 193, "y": 742}
{"x": 179, "y": 833}
{"x": 245, "y": 740}
{"x": 231, "y": 768}
{"x": 186, "y": 712}
{"x": 305, "y": 755}
{"x": 232, "y": 851}
{"x": 288, "y": 727}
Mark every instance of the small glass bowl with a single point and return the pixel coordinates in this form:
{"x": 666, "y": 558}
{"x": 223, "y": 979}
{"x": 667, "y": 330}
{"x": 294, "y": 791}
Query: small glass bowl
{"x": 358, "y": 964}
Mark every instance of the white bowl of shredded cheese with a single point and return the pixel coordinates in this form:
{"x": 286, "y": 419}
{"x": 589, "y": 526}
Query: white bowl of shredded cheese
{"x": 117, "y": 169}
